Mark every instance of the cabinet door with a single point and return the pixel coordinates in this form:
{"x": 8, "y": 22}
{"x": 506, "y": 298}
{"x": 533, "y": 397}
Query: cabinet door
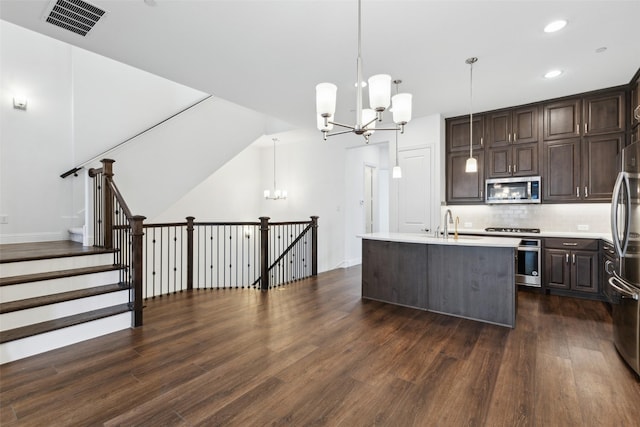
{"x": 525, "y": 125}
{"x": 499, "y": 129}
{"x": 525, "y": 160}
{"x": 604, "y": 114}
{"x": 557, "y": 268}
{"x": 463, "y": 187}
{"x": 562, "y": 171}
{"x": 458, "y": 133}
{"x": 562, "y": 119}
{"x": 600, "y": 165}
{"x": 499, "y": 162}
{"x": 584, "y": 275}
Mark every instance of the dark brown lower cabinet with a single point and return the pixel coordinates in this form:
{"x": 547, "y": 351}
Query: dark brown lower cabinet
{"x": 572, "y": 265}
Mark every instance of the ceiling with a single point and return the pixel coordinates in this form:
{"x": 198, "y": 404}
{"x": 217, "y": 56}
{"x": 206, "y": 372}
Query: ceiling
{"x": 268, "y": 55}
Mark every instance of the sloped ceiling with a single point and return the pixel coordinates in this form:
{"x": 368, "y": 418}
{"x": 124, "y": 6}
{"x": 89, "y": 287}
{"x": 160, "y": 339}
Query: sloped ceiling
{"x": 268, "y": 55}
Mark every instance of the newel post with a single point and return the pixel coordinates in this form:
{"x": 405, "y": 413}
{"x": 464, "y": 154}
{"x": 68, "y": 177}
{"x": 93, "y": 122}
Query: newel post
{"x": 136, "y": 266}
{"x": 264, "y": 253}
{"x": 314, "y": 245}
{"x": 107, "y": 205}
{"x": 190, "y": 252}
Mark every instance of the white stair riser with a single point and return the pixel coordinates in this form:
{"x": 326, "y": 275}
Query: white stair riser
{"x": 19, "y": 349}
{"x": 54, "y": 286}
{"x": 30, "y": 316}
{"x": 54, "y": 264}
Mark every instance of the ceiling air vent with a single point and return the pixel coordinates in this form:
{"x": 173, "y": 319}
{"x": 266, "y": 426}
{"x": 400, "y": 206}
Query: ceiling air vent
{"x": 74, "y": 15}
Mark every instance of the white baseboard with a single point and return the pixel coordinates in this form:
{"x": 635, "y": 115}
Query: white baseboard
{"x": 349, "y": 263}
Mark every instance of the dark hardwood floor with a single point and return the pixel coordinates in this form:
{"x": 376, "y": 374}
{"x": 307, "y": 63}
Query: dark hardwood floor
{"x": 314, "y": 353}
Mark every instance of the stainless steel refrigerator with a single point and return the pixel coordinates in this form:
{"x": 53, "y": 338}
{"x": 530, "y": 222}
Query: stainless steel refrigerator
{"x": 624, "y": 283}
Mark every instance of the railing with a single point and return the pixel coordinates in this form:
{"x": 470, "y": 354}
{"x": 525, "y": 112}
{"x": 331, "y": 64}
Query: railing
{"x": 116, "y": 228}
{"x": 217, "y": 255}
{"x": 160, "y": 259}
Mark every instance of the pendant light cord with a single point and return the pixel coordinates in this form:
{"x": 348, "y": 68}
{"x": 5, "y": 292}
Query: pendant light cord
{"x": 274, "y": 164}
{"x": 471, "y": 110}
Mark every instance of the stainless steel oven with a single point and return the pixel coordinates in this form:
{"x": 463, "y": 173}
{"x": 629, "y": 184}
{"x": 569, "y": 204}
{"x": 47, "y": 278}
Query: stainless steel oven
{"x": 529, "y": 263}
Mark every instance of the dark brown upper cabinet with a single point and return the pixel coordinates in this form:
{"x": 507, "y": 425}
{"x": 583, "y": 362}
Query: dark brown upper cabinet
{"x": 458, "y": 133}
{"x": 592, "y": 115}
{"x": 463, "y": 187}
{"x": 516, "y": 160}
{"x": 513, "y": 126}
{"x": 561, "y": 119}
{"x": 604, "y": 114}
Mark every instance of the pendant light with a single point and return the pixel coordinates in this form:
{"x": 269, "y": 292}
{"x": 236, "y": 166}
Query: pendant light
{"x": 396, "y": 172}
{"x": 277, "y": 194}
{"x": 472, "y": 163}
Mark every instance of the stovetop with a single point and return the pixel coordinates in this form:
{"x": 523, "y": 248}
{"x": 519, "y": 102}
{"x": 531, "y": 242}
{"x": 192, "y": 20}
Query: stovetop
{"x": 512, "y": 230}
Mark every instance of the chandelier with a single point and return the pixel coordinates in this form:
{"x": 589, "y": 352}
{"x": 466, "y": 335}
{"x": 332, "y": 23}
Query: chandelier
{"x": 379, "y": 101}
{"x": 277, "y": 194}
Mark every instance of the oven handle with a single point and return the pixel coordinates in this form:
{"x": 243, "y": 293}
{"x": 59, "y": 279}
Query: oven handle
{"x": 622, "y": 287}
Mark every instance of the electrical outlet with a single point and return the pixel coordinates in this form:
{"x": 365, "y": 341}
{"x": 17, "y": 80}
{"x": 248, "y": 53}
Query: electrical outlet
{"x": 583, "y": 227}
{"x": 4, "y": 219}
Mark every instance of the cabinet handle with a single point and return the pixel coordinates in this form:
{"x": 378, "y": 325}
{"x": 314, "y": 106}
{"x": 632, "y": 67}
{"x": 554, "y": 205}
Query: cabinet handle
{"x": 481, "y": 196}
{"x": 515, "y": 137}
{"x": 578, "y": 192}
{"x": 569, "y": 244}
{"x": 586, "y": 192}
{"x": 509, "y": 137}
{"x": 481, "y": 142}
{"x": 578, "y": 129}
{"x": 573, "y": 257}
{"x": 566, "y": 257}
{"x": 515, "y": 169}
{"x": 509, "y": 170}
{"x": 585, "y": 128}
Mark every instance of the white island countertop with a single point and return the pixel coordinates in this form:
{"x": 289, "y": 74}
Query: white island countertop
{"x": 485, "y": 241}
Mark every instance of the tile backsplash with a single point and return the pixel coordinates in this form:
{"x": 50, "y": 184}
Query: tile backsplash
{"x": 591, "y": 217}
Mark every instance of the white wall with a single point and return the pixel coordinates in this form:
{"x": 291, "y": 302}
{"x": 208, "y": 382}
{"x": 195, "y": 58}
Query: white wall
{"x": 80, "y": 104}
{"x": 36, "y": 145}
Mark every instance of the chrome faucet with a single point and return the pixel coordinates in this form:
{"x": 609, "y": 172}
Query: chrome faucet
{"x": 445, "y": 228}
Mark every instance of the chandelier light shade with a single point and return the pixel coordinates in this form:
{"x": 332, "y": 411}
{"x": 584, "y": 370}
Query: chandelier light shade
{"x": 472, "y": 164}
{"x": 277, "y": 194}
{"x": 379, "y": 101}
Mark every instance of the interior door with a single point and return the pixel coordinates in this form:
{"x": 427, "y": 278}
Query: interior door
{"x": 369, "y": 199}
{"x": 415, "y": 190}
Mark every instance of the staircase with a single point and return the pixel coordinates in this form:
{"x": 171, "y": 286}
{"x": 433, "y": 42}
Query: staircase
{"x": 54, "y": 294}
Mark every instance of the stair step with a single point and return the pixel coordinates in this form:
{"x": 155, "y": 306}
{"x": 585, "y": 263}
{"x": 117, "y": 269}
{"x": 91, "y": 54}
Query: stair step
{"x": 24, "y": 304}
{"x": 64, "y": 322}
{"x": 17, "y": 252}
{"x": 26, "y": 278}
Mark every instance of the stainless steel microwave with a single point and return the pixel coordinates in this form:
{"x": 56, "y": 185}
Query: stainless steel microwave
{"x": 524, "y": 189}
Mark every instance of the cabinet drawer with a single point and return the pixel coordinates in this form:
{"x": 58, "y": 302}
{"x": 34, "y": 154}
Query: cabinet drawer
{"x": 571, "y": 244}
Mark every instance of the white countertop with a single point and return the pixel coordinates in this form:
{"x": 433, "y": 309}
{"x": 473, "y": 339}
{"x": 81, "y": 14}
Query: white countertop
{"x": 485, "y": 241}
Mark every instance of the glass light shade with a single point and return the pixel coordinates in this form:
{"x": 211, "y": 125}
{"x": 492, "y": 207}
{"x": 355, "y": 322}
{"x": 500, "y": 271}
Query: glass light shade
{"x": 321, "y": 125}
{"x": 379, "y": 91}
{"x": 396, "y": 172}
{"x": 472, "y": 165}
{"x": 326, "y": 98}
{"x": 402, "y": 108}
{"x": 367, "y": 116}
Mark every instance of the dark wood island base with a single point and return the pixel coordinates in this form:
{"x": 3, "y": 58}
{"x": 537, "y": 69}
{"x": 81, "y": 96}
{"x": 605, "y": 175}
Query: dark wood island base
{"x": 458, "y": 278}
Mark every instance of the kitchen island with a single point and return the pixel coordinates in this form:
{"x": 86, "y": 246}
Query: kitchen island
{"x": 471, "y": 277}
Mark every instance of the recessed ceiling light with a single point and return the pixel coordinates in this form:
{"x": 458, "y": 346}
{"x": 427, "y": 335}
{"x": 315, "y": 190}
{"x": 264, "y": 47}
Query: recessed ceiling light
{"x": 555, "y": 26}
{"x": 553, "y": 74}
